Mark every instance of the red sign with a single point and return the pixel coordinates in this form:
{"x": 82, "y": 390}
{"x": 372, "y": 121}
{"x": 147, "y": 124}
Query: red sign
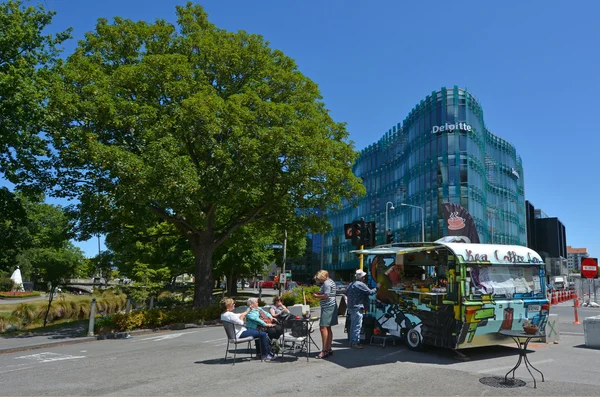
{"x": 589, "y": 267}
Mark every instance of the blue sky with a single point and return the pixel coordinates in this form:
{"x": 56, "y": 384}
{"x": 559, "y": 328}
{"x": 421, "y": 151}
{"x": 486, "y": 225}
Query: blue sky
{"x": 532, "y": 65}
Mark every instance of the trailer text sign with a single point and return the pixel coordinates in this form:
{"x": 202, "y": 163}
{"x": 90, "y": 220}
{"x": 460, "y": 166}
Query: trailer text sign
{"x": 589, "y": 267}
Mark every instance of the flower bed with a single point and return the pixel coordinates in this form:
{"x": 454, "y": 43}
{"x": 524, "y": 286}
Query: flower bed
{"x": 18, "y": 295}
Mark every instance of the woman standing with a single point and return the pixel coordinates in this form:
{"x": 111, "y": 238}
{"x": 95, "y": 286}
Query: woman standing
{"x": 328, "y": 311}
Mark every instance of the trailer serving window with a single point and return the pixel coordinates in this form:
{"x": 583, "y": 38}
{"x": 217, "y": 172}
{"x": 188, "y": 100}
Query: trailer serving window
{"x": 505, "y": 281}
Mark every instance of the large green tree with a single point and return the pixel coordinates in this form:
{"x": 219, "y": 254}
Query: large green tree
{"x": 206, "y": 129}
{"x": 27, "y": 57}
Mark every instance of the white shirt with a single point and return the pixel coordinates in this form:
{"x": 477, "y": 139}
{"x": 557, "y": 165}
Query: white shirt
{"x": 234, "y": 318}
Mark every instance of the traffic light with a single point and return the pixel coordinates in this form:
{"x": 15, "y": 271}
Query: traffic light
{"x": 358, "y": 233}
{"x": 389, "y": 237}
{"x": 371, "y": 237}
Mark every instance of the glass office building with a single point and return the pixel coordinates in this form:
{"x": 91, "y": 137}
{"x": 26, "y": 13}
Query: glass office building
{"x": 441, "y": 152}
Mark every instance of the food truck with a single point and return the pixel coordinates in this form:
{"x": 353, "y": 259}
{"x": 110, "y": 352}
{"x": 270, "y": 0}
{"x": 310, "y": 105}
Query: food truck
{"x": 455, "y": 295}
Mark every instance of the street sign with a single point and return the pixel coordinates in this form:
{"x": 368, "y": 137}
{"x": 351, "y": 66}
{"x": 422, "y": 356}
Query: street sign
{"x": 274, "y": 246}
{"x": 589, "y": 267}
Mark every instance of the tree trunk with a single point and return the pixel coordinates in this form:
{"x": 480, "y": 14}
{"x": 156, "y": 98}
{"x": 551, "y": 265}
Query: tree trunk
{"x": 52, "y": 288}
{"x": 203, "y": 248}
{"x": 233, "y": 290}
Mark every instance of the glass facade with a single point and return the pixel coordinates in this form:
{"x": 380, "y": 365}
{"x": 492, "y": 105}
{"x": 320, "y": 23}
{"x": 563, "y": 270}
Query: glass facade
{"x": 441, "y": 152}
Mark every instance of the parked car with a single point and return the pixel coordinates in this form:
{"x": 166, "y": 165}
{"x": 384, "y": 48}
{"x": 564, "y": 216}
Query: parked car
{"x": 341, "y": 287}
{"x": 263, "y": 284}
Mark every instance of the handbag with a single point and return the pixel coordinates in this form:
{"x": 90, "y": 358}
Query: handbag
{"x": 299, "y": 329}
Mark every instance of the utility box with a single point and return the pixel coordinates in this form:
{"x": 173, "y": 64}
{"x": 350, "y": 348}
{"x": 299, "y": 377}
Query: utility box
{"x": 551, "y": 330}
{"x": 298, "y": 309}
{"x": 591, "y": 332}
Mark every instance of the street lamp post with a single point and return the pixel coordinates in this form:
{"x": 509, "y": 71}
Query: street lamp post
{"x": 422, "y": 219}
{"x": 495, "y": 213}
{"x": 386, "y": 213}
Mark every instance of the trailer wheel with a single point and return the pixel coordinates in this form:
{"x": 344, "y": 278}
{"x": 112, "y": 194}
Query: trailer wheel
{"x": 414, "y": 340}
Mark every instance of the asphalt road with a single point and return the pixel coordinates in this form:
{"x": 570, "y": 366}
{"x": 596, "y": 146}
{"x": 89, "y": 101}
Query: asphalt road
{"x": 190, "y": 362}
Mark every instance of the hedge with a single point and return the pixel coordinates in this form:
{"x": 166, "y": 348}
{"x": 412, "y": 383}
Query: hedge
{"x": 18, "y": 295}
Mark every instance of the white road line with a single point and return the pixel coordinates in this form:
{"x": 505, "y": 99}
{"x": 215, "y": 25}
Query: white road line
{"x": 48, "y": 357}
{"x": 13, "y": 370}
{"x": 571, "y": 333}
{"x": 497, "y": 369}
{"x": 167, "y": 336}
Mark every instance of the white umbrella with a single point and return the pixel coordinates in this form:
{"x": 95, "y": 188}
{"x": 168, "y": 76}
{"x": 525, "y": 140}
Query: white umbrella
{"x": 17, "y": 279}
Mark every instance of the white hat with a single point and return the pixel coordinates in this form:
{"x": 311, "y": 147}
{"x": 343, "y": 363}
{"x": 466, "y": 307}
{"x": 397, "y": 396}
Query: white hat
{"x": 360, "y": 274}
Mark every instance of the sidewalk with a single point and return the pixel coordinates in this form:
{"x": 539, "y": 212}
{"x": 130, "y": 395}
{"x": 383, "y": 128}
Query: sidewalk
{"x": 67, "y": 335}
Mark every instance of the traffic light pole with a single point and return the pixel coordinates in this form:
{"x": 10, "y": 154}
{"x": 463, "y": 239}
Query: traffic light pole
{"x": 362, "y": 247}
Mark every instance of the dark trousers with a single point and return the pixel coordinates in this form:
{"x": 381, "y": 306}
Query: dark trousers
{"x": 264, "y": 340}
{"x": 275, "y": 332}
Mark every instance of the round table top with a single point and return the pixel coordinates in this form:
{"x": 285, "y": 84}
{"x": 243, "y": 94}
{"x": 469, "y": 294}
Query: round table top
{"x": 518, "y": 334}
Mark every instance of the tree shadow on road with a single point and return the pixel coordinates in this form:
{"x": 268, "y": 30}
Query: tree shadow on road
{"x": 59, "y": 331}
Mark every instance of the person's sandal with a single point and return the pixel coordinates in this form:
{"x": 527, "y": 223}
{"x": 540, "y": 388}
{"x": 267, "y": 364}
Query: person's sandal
{"x": 330, "y": 352}
{"x": 321, "y": 355}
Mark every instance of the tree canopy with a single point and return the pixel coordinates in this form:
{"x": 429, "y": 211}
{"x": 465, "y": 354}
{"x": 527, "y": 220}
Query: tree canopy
{"x": 26, "y": 60}
{"x": 205, "y": 129}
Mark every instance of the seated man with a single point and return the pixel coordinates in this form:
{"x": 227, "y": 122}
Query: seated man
{"x": 243, "y": 332}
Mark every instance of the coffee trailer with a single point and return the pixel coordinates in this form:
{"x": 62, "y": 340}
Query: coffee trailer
{"x": 455, "y": 295}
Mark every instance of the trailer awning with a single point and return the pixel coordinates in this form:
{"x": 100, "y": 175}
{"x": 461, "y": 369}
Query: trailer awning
{"x": 394, "y": 250}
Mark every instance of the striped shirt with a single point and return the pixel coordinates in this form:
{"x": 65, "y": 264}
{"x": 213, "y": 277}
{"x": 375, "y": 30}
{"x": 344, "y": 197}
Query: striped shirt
{"x": 328, "y": 288}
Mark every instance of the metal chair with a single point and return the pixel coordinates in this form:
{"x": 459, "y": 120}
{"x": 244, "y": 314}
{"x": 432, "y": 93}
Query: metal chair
{"x": 299, "y": 343}
{"x": 232, "y": 338}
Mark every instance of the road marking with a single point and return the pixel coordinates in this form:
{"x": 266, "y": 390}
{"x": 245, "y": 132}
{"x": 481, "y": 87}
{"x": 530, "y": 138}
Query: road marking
{"x": 167, "y": 336}
{"x": 15, "y": 369}
{"x": 571, "y": 333}
{"x": 48, "y": 357}
{"x": 534, "y": 363}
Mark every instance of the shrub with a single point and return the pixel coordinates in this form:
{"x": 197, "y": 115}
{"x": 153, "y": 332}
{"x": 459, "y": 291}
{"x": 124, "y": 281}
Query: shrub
{"x": 84, "y": 310}
{"x": 129, "y": 321}
{"x": 210, "y": 313}
{"x": 8, "y": 323}
{"x": 288, "y": 298}
{"x": 169, "y": 302}
{"x": 293, "y": 297}
{"x": 104, "y": 325}
{"x": 6, "y": 284}
{"x": 18, "y": 295}
{"x": 182, "y": 315}
{"x": 154, "y": 318}
{"x": 25, "y": 313}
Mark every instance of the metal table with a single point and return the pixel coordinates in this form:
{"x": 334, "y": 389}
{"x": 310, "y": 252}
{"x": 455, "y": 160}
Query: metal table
{"x": 518, "y": 337}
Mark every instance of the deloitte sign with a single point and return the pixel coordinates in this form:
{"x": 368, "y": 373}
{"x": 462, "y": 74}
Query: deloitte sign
{"x": 451, "y": 128}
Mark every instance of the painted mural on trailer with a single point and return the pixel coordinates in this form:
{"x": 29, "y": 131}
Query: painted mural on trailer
{"x": 457, "y": 295}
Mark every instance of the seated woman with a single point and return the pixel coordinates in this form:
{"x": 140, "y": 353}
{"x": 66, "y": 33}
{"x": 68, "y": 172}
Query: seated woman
{"x": 243, "y": 332}
{"x": 259, "y": 319}
{"x": 278, "y": 307}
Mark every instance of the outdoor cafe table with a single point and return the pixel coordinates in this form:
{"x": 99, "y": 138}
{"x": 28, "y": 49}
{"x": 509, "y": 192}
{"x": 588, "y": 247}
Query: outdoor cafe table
{"x": 310, "y": 322}
{"x": 518, "y": 337}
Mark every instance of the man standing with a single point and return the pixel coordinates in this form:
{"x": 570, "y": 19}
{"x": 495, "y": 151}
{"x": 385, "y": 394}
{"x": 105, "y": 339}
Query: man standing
{"x": 358, "y": 298}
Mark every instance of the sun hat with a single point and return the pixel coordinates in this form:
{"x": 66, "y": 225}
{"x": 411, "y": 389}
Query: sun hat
{"x": 360, "y": 274}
